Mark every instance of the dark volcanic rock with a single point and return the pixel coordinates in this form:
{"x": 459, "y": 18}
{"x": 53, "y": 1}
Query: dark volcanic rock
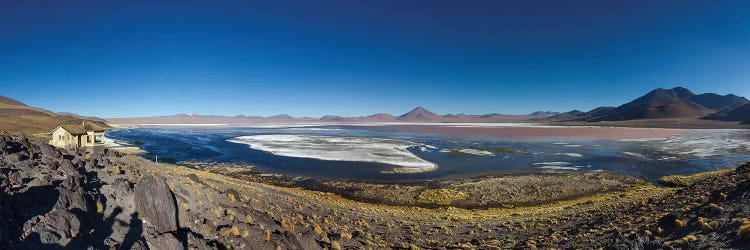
{"x": 139, "y": 245}
{"x": 48, "y": 237}
{"x": 4, "y": 185}
{"x": 63, "y": 222}
{"x": 15, "y": 178}
{"x": 155, "y": 201}
{"x": 52, "y": 164}
{"x": 164, "y": 241}
{"x": 18, "y": 156}
{"x": 48, "y": 151}
{"x": 71, "y": 199}
{"x": 71, "y": 195}
{"x": 72, "y": 183}
{"x": 3, "y": 144}
{"x": 68, "y": 169}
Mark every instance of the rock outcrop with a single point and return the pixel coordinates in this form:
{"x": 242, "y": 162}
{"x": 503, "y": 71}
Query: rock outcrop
{"x": 156, "y": 203}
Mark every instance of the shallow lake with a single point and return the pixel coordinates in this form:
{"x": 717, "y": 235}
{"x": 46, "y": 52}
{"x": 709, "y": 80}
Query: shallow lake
{"x": 352, "y": 152}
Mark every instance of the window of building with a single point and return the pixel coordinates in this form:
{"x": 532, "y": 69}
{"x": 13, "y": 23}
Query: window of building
{"x": 88, "y": 139}
{"x": 98, "y": 139}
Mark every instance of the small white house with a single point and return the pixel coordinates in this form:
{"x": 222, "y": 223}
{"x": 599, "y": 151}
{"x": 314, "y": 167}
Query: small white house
{"x": 82, "y": 135}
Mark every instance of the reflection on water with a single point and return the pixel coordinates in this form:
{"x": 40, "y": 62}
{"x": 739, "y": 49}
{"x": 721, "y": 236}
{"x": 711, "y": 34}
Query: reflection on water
{"x": 362, "y": 154}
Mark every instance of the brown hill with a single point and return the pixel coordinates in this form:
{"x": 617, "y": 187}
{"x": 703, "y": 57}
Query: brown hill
{"x": 658, "y": 104}
{"x": 10, "y": 101}
{"x": 89, "y": 118}
{"x": 16, "y": 117}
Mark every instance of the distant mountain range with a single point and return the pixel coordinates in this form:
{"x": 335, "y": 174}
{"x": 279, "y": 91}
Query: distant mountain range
{"x": 657, "y": 106}
{"x": 418, "y": 114}
{"x": 675, "y": 103}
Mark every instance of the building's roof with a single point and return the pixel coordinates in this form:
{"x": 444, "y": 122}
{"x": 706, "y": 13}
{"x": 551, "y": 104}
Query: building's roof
{"x": 80, "y": 129}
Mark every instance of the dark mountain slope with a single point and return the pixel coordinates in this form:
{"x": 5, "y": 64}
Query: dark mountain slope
{"x": 659, "y": 103}
{"x": 741, "y": 113}
{"x": 719, "y": 102}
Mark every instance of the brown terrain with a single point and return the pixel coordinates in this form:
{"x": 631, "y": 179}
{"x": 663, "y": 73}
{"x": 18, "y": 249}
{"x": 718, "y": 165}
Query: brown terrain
{"x": 74, "y": 200}
{"x": 93, "y": 199}
{"x": 21, "y": 118}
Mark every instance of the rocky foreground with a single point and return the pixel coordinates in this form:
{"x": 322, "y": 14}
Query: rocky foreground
{"x": 104, "y": 200}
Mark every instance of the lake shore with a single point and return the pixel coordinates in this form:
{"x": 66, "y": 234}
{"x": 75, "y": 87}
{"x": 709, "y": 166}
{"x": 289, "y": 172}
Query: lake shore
{"x": 229, "y": 210}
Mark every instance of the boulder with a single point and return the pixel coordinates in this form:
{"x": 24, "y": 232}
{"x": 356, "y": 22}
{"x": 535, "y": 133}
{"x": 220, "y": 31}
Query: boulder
{"x": 48, "y": 237}
{"x": 70, "y": 199}
{"x": 5, "y": 186}
{"x": 9, "y": 146}
{"x": 52, "y": 164}
{"x": 63, "y": 222}
{"x": 3, "y": 144}
{"x": 71, "y": 195}
{"x": 72, "y": 183}
{"x": 15, "y": 178}
{"x": 44, "y": 179}
{"x": 68, "y": 169}
{"x": 17, "y": 156}
{"x": 139, "y": 245}
{"x": 48, "y": 151}
{"x": 156, "y": 203}
{"x": 165, "y": 242}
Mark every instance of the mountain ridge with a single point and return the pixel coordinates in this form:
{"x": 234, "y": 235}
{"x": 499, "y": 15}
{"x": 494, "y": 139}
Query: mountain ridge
{"x": 659, "y": 103}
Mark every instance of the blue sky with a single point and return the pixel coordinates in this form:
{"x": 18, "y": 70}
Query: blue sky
{"x": 311, "y": 58}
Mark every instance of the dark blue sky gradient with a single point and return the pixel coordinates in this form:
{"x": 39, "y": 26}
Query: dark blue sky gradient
{"x": 310, "y": 58}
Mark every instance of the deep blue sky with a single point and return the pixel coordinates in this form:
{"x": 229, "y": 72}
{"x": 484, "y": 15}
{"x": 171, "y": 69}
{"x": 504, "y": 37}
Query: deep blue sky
{"x": 310, "y": 58}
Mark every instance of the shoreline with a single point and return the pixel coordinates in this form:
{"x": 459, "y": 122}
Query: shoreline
{"x": 237, "y": 212}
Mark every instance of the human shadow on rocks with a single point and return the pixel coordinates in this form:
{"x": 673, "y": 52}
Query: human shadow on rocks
{"x": 135, "y": 232}
{"x": 104, "y": 230}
